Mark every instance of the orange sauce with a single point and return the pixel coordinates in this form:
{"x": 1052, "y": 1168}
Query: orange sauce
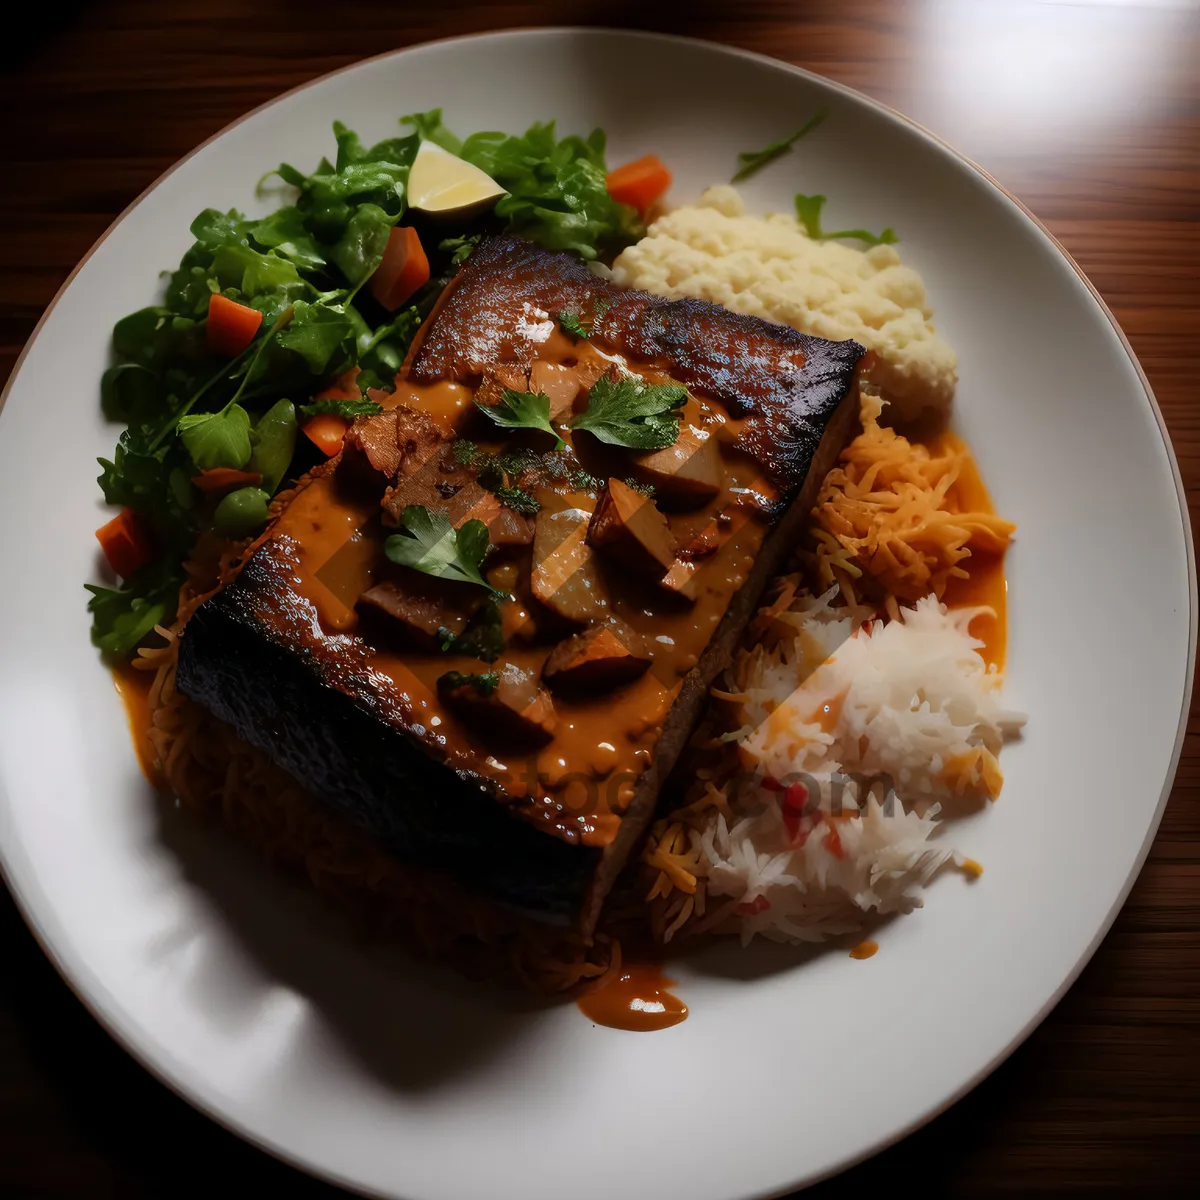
{"x": 134, "y": 689}
{"x": 636, "y": 999}
{"x": 986, "y": 584}
{"x": 828, "y": 715}
{"x": 579, "y": 784}
{"x": 865, "y": 950}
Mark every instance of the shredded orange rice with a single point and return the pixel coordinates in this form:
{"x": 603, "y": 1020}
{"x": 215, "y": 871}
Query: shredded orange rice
{"x": 890, "y": 514}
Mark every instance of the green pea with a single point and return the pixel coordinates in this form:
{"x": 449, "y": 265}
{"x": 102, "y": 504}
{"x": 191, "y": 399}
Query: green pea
{"x": 274, "y": 441}
{"x": 242, "y": 512}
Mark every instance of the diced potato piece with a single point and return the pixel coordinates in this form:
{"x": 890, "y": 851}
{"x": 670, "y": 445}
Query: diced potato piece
{"x": 566, "y": 577}
{"x": 628, "y": 527}
{"x": 686, "y": 474}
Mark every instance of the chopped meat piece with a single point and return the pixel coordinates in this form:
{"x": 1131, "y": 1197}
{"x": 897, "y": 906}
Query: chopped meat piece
{"x": 446, "y": 485}
{"x": 706, "y": 542}
{"x": 597, "y": 660}
{"x": 596, "y": 367}
{"x": 515, "y": 712}
{"x": 560, "y": 385}
{"x": 628, "y": 527}
{"x": 418, "y": 437}
{"x": 566, "y": 577}
{"x": 510, "y": 376}
{"x": 417, "y": 614}
{"x": 399, "y": 441}
{"x": 371, "y": 449}
{"x": 505, "y": 527}
{"x": 496, "y": 379}
{"x": 686, "y": 474}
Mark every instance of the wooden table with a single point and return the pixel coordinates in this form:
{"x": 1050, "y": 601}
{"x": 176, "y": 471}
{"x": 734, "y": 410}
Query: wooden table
{"x": 1089, "y": 111}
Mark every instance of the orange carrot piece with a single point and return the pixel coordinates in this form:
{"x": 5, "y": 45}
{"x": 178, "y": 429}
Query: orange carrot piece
{"x": 326, "y": 432}
{"x": 126, "y": 543}
{"x": 639, "y": 183}
{"x": 221, "y": 479}
{"x": 342, "y": 388}
{"x": 231, "y": 326}
{"x": 403, "y": 270}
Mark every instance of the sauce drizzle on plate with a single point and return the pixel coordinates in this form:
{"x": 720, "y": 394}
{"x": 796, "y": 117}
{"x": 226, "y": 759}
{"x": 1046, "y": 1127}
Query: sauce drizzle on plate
{"x": 636, "y": 999}
{"x": 133, "y": 687}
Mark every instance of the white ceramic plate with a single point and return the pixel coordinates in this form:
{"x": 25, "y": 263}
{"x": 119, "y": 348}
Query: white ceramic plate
{"x": 233, "y": 985}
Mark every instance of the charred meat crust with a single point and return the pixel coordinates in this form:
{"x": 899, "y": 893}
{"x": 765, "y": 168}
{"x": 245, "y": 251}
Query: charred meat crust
{"x": 783, "y": 383}
{"x": 249, "y": 657}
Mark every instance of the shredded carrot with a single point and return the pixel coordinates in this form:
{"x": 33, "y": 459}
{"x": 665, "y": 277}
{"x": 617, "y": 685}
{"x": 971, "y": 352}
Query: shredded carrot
{"x": 890, "y": 511}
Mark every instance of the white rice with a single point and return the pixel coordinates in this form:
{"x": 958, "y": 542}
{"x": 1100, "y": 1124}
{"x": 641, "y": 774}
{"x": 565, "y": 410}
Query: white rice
{"x": 872, "y": 721}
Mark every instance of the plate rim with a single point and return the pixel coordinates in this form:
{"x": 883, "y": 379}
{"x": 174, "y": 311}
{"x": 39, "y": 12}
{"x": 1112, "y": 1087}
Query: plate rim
{"x": 74, "y": 975}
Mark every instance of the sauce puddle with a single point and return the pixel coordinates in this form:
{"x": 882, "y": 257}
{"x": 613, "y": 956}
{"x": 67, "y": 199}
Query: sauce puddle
{"x": 987, "y": 584}
{"x": 636, "y": 999}
{"x": 134, "y": 689}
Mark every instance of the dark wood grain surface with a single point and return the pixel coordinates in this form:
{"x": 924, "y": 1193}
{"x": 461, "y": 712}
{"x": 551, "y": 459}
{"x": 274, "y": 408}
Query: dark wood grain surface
{"x": 1089, "y": 111}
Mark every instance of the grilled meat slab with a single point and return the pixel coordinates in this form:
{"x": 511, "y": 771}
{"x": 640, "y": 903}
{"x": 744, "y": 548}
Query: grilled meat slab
{"x": 522, "y": 744}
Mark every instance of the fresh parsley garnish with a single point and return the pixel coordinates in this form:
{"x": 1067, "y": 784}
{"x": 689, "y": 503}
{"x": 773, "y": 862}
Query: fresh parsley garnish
{"x": 521, "y": 410}
{"x": 750, "y": 161}
{"x": 573, "y": 321}
{"x": 460, "y": 248}
{"x": 645, "y": 489}
{"x": 431, "y": 545}
{"x": 642, "y": 416}
{"x": 467, "y": 453}
{"x": 340, "y": 408}
{"x": 484, "y": 684}
{"x": 509, "y": 465}
{"x": 518, "y": 500}
{"x": 572, "y": 324}
{"x": 497, "y": 472}
{"x": 808, "y": 213}
{"x": 483, "y": 638}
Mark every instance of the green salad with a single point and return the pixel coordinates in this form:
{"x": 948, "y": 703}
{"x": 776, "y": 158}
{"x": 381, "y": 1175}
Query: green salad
{"x": 273, "y": 329}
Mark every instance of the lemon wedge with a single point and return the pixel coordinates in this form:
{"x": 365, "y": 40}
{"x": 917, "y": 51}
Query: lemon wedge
{"x": 442, "y": 184}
